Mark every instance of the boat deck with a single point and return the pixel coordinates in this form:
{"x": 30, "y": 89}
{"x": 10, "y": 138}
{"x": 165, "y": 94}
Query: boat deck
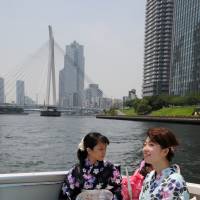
{"x": 45, "y": 186}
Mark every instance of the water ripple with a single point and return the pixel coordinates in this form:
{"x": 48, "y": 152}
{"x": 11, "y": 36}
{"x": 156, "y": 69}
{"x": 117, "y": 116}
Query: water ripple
{"x": 33, "y": 143}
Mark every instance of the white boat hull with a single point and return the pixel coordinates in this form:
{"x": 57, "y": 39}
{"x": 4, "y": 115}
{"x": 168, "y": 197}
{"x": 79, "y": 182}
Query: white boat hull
{"x": 45, "y": 186}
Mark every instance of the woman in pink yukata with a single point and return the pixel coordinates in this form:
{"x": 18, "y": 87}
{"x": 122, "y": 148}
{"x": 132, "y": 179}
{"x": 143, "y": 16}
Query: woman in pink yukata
{"x": 165, "y": 181}
{"x": 92, "y": 172}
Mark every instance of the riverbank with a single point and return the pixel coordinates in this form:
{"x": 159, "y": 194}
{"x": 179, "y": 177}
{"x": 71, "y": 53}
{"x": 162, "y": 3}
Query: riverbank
{"x": 185, "y": 120}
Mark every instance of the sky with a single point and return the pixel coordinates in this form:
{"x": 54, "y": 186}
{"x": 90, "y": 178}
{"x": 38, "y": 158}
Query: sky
{"x": 111, "y": 31}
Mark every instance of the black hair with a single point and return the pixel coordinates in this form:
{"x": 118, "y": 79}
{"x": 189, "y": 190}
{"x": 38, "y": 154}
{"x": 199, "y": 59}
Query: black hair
{"x": 90, "y": 141}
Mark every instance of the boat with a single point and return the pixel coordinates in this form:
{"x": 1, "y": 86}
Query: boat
{"x": 45, "y": 186}
{"x": 50, "y": 111}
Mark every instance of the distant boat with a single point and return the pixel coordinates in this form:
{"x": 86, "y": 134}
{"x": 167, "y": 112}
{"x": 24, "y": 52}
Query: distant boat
{"x": 50, "y": 111}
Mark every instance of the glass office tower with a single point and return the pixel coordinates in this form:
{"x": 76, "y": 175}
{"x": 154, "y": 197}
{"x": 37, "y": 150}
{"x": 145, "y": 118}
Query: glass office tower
{"x": 157, "y": 49}
{"x": 185, "y": 57}
{"x": 71, "y": 77}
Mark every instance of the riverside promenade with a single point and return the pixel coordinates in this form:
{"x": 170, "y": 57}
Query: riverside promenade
{"x": 171, "y": 119}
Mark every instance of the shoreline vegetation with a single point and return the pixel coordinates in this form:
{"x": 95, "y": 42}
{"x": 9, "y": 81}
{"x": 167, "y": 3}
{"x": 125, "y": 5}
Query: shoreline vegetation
{"x": 174, "y": 111}
{"x": 175, "y": 114}
{"x": 163, "y": 105}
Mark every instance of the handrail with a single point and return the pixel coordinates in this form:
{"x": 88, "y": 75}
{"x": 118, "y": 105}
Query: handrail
{"x": 54, "y": 178}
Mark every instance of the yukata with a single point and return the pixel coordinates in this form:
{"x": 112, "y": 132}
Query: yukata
{"x": 101, "y": 175}
{"x": 168, "y": 185}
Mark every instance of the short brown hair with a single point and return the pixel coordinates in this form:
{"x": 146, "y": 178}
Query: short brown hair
{"x": 165, "y": 138}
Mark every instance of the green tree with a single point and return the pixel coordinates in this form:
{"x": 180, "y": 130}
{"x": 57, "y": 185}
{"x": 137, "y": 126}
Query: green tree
{"x": 143, "y": 107}
{"x": 156, "y": 102}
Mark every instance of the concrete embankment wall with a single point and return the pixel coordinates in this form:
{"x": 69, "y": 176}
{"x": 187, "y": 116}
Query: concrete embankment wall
{"x": 185, "y": 120}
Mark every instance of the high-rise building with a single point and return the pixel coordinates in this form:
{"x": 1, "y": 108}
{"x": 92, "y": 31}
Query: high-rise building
{"x": 2, "y": 93}
{"x": 132, "y": 94}
{"x": 71, "y": 77}
{"x": 157, "y": 49}
{"x": 105, "y": 103}
{"x": 93, "y": 95}
{"x": 185, "y": 57}
{"x": 20, "y": 94}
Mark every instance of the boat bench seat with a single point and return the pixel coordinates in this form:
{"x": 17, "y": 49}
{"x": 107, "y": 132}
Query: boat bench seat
{"x": 194, "y": 190}
{"x": 31, "y": 186}
{"x": 45, "y": 186}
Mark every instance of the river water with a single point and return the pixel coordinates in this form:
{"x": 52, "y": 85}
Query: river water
{"x": 32, "y": 143}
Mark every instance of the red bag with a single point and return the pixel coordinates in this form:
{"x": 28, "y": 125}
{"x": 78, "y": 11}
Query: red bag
{"x": 136, "y": 181}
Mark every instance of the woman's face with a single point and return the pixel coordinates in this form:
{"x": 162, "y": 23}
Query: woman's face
{"x": 98, "y": 152}
{"x": 153, "y": 153}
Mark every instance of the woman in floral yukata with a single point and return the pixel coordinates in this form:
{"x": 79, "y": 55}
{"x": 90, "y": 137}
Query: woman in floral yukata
{"x": 165, "y": 181}
{"x": 92, "y": 172}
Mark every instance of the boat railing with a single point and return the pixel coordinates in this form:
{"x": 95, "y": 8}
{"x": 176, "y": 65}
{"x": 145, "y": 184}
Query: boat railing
{"x": 32, "y": 186}
{"x": 45, "y": 186}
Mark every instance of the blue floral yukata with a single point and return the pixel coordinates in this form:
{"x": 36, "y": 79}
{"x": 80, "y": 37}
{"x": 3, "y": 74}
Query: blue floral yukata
{"x": 101, "y": 175}
{"x": 168, "y": 185}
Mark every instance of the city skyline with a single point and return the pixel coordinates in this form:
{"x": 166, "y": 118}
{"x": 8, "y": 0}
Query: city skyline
{"x": 112, "y": 34}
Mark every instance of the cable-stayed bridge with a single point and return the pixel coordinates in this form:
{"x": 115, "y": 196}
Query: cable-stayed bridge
{"x": 33, "y": 71}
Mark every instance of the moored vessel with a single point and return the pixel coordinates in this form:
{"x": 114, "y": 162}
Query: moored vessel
{"x": 50, "y": 111}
